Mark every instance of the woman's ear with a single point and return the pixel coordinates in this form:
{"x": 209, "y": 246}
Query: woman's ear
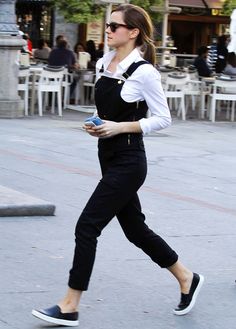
{"x": 134, "y": 33}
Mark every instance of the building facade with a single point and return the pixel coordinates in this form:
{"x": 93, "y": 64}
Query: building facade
{"x": 39, "y": 20}
{"x": 36, "y": 18}
{"x": 196, "y": 25}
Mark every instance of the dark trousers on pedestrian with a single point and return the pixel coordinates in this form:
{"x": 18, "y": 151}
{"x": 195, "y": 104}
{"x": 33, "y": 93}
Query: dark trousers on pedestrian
{"x": 124, "y": 171}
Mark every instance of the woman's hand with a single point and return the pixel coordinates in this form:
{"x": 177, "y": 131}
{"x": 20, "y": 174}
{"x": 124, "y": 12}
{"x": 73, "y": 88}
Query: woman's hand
{"x": 111, "y": 128}
{"x": 106, "y": 130}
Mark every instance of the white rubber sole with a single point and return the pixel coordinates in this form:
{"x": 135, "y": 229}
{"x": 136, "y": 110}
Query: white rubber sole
{"x": 49, "y": 319}
{"x": 193, "y": 301}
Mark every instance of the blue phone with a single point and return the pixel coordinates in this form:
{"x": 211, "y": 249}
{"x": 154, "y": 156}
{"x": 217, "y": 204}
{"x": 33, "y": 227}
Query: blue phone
{"x": 93, "y": 121}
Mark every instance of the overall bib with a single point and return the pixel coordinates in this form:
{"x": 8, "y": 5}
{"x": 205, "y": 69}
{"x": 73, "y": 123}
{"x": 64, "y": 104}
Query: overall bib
{"x": 123, "y": 163}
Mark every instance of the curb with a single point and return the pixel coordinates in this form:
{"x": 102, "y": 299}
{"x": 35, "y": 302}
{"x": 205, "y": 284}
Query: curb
{"x": 15, "y": 203}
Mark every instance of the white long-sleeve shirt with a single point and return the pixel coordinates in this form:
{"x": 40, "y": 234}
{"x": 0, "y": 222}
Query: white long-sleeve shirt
{"x": 143, "y": 84}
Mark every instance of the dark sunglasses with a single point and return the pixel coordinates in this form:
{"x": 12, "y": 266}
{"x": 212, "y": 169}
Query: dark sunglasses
{"x": 114, "y": 26}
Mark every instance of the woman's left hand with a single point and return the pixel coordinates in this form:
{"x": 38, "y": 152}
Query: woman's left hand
{"x": 108, "y": 129}
{"x": 111, "y": 128}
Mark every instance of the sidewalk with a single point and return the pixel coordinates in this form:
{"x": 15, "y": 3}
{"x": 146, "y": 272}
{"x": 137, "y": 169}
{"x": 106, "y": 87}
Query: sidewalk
{"x": 14, "y": 203}
{"x": 188, "y": 198}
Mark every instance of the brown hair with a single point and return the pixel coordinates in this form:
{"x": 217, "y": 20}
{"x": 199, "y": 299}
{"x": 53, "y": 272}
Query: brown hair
{"x": 136, "y": 17}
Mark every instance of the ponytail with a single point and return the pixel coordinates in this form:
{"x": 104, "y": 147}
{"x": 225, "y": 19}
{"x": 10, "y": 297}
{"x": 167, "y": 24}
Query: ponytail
{"x": 149, "y": 52}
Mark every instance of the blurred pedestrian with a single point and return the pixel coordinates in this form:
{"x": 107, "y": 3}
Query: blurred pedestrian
{"x": 43, "y": 51}
{"x": 91, "y": 49}
{"x": 100, "y": 50}
{"x": 79, "y": 47}
{"x": 212, "y": 54}
{"x": 28, "y": 48}
{"x": 222, "y": 53}
{"x": 62, "y": 56}
{"x": 59, "y": 37}
{"x": 127, "y": 85}
{"x": 200, "y": 62}
{"x": 82, "y": 56}
{"x": 230, "y": 68}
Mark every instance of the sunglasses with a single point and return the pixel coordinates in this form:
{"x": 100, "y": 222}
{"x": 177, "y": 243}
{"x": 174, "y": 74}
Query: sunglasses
{"x": 114, "y": 26}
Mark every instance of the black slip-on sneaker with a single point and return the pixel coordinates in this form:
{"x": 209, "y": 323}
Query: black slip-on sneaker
{"x": 54, "y": 315}
{"x": 187, "y": 301}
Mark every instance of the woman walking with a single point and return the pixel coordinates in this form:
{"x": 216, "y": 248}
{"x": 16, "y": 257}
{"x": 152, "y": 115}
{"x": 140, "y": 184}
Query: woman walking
{"x": 127, "y": 86}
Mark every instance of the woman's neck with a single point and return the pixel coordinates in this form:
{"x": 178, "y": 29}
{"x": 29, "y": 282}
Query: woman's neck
{"x": 122, "y": 53}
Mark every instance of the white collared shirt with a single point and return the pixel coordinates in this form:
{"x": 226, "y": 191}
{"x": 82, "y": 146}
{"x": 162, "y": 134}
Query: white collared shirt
{"x": 143, "y": 84}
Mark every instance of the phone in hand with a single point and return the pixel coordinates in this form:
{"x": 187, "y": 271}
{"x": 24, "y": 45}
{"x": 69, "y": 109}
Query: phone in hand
{"x": 93, "y": 121}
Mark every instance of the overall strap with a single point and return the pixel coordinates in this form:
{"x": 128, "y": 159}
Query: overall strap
{"x": 101, "y": 69}
{"x": 132, "y": 68}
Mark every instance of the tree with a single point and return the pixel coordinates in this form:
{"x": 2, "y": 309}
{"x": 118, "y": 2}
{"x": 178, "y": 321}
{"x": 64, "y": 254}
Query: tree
{"x": 77, "y": 11}
{"x": 228, "y": 7}
{"x": 84, "y": 11}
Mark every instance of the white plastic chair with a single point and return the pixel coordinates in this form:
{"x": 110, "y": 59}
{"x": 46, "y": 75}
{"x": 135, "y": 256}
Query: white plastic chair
{"x": 196, "y": 91}
{"x": 223, "y": 90}
{"x": 164, "y": 72}
{"x": 50, "y": 81}
{"x": 193, "y": 75}
{"x": 192, "y": 92}
{"x": 23, "y": 86}
{"x": 66, "y": 82}
{"x": 85, "y": 80}
{"x": 89, "y": 87}
{"x": 174, "y": 89}
{"x": 193, "y": 88}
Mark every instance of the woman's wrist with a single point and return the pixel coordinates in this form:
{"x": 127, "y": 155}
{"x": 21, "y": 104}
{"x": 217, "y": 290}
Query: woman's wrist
{"x": 129, "y": 127}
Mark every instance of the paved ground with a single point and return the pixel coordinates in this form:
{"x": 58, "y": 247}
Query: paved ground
{"x": 188, "y": 197}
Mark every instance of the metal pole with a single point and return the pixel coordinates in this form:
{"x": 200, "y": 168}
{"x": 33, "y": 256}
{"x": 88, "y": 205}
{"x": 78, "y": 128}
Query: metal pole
{"x": 108, "y": 15}
{"x": 165, "y": 23}
{"x": 164, "y": 29}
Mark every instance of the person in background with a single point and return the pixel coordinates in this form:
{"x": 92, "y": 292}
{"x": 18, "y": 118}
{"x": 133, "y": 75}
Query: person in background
{"x": 212, "y": 54}
{"x": 128, "y": 85}
{"x": 200, "y": 62}
{"x": 59, "y": 38}
{"x": 62, "y": 56}
{"x": 80, "y": 48}
{"x": 28, "y": 48}
{"x": 82, "y": 61}
{"x": 100, "y": 50}
{"x": 91, "y": 49}
{"x": 230, "y": 68}
{"x": 43, "y": 51}
{"x": 222, "y": 53}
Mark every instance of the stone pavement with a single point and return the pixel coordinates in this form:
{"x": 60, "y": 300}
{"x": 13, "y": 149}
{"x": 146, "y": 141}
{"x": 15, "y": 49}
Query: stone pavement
{"x": 189, "y": 197}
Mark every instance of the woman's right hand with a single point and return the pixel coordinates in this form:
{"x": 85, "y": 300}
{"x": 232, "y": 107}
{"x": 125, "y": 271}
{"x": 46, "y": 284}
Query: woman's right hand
{"x": 90, "y": 130}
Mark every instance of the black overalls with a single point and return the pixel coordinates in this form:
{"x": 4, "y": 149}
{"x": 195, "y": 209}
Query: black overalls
{"x": 123, "y": 164}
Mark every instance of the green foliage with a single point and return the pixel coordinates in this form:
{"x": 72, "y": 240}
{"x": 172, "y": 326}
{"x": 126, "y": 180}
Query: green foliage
{"x": 84, "y": 11}
{"x": 77, "y": 11}
{"x": 228, "y": 7}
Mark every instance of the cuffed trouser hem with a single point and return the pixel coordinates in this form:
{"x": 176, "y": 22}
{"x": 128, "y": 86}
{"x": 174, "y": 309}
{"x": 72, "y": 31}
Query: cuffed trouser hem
{"x": 74, "y": 286}
{"x": 169, "y": 262}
